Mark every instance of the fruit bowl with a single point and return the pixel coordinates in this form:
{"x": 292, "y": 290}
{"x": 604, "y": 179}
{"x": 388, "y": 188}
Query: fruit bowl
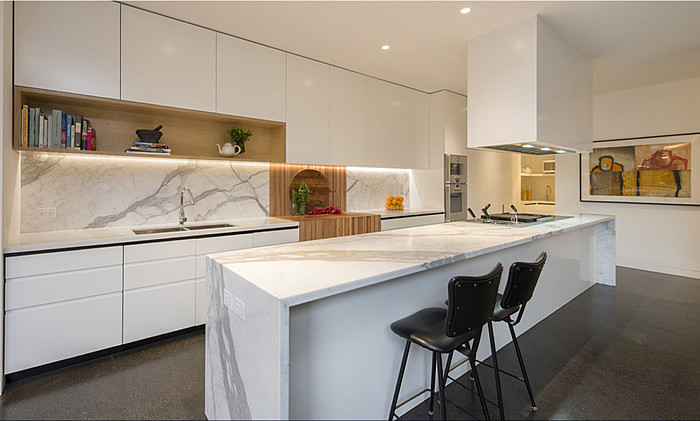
{"x": 394, "y": 203}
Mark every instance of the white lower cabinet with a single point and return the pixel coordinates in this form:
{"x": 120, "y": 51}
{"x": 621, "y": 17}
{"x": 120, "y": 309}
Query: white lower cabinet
{"x": 156, "y": 310}
{"x": 159, "y": 292}
{"x": 270, "y": 238}
{"x": 412, "y": 221}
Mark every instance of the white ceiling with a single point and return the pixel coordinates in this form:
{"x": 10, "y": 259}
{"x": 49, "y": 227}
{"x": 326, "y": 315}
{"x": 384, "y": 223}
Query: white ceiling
{"x": 632, "y": 43}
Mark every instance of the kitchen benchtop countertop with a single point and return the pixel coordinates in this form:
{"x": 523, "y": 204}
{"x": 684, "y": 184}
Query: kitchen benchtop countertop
{"x": 302, "y": 272}
{"x": 51, "y": 240}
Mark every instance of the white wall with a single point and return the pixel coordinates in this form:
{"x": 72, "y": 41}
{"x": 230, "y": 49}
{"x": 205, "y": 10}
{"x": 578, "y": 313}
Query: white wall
{"x": 493, "y": 178}
{"x": 652, "y": 237}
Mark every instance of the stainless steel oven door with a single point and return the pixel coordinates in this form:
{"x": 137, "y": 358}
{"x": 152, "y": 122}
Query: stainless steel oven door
{"x": 455, "y": 169}
{"x": 455, "y": 202}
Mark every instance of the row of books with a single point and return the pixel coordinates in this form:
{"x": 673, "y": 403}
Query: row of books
{"x": 57, "y": 130}
{"x": 148, "y": 148}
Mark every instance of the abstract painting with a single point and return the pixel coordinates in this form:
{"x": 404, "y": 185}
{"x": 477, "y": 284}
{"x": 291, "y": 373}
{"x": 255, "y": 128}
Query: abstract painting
{"x": 646, "y": 170}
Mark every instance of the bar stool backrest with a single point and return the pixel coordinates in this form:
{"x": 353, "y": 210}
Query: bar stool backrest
{"x": 522, "y": 279}
{"x": 470, "y": 301}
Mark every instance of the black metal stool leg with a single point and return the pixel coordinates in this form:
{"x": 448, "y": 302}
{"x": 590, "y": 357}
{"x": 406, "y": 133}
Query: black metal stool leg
{"x": 431, "y": 409}
{"x": 398, "y": 381}
{"x": 447, "y": 366}
{"x": 478, "y": 387}
{"x": 495, "y": 371}
{"x": 441, "y": 386}
{"x": 522, "y": 366}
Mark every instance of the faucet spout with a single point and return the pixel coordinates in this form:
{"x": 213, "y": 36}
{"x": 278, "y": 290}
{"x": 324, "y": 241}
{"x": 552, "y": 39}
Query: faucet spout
{"x": 183, "y": 218}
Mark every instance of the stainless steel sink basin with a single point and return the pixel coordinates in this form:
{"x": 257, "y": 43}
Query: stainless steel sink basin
{"x": 158, "y": 230}
{"x": 180, "y": 228}
{"x": 210, "y": 226}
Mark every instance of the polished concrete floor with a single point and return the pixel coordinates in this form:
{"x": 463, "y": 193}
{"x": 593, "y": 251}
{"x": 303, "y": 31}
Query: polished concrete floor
{"x": 630, "y": 352}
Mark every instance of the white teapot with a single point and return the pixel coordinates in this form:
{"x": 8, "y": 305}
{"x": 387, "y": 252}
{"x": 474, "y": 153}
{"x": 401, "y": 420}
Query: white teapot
{"x": 229, "y": 149}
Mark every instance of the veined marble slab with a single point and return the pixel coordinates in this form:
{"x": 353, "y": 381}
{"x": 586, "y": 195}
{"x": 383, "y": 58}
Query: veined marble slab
{"x": 368, "y": 188}
{"x": 301, "y": 272}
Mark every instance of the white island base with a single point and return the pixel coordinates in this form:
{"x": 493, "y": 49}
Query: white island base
{"x": 301, "y": 331}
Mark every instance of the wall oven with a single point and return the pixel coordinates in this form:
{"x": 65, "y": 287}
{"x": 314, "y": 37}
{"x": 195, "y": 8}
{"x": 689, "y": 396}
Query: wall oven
{"x": 455, "y": 188}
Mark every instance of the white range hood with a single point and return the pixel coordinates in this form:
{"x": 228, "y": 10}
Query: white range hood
{"x": 529, "y": 91}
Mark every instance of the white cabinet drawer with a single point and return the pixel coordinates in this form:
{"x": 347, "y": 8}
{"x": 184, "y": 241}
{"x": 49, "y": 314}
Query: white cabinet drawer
{"x": 145, "y": 274}
{"x": 44, "y": 289}
{"x": 269, "y": 238}
{"x": 218, "y": 244}
{"x": 200, "y": 302}
{"x": 44, "y": 334}
{"x": 157, "y": 310}
{"x": 412, "y": 221}
{"x": 155, "y": 251}
{"x": 43, "y": 263}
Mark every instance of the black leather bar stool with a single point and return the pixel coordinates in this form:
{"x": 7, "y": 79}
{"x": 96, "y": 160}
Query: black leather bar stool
{"x": 522, "y": 279}
{"x": 471, "y": 300}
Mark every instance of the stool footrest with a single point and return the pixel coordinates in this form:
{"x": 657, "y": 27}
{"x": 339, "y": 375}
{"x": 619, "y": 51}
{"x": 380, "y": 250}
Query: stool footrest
{"x": 502, "y": 371}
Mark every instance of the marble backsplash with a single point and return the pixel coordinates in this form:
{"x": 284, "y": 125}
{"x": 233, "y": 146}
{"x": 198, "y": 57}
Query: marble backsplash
{"x": 367, "y": 188}
{"x": 98, "y": 192}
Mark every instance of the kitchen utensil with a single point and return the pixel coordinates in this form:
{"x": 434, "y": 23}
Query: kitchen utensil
{"x": 229, "y": 149}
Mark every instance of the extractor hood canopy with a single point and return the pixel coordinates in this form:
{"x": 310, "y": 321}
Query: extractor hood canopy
{"x": 527, "y": 86}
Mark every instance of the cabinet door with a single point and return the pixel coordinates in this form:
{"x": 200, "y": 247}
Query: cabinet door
{"x": 44, "y": 334}
{"x": 250, "y": 79}
{"x": 167, "y": 62}
{"x": 455, "y": 123}
{"x": 415, "y": 129}
{"x": 308, "y": 86}
{"x": 348, "y": 115}
{"x": 412, "y": 221}
{"x": 156, "y": 310}
{"x": 269, "y": 238}
{"x": 68, "y": 46}
{"x": 383, "y": 124}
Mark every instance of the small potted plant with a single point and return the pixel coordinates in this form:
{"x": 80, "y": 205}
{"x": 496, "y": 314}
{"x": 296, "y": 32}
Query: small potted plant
{"x": 300, "y": 198}
{"x": 239, "y": 136}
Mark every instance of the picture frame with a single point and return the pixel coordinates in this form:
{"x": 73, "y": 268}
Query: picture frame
{"x": 656, "y": 170}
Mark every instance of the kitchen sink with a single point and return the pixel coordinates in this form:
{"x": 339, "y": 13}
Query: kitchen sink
{"x": 210, "y": 226}
{"x": 180, "y": 228}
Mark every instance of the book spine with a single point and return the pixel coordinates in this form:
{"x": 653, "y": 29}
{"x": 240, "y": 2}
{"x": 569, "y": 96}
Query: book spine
{"x": 45, "y": 140}
{"x": 78, "y": 130}
{"x": 72, "y": 135}
{"x": 49, "y": 129}
{"x": 69, "y": 122}
{"x": 42, "y": 130}
{"x": 32, "y": 120}
{"x": 64, "y": 122}
{"x": 93, "y": 132}
{"x": 83, "y": 136}
{"x": 57, "y": 129}
{"x": 25, "y": 125}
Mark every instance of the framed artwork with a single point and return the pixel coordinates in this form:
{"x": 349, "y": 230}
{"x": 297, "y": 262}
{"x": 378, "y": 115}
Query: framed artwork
{"x": 654, "y": 170}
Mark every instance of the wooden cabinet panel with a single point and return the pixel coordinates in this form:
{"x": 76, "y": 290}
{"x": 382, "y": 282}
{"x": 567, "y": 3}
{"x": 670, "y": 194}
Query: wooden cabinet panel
{"x": 415, "y": 133}
{"x": 250, "y": 79}
{"x": 167, "y": 62}
{"x": 383, "y": 124}
{"x": 68, "y": 46}
{"x": 347, "y": 118}
{"x": 44, "y": 334}
{"x": 161, "y": 309}
{"x": 328, "y": 226}
{"x": 308, "y": 104}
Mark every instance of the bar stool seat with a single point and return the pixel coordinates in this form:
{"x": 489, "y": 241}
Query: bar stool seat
{"x": 427, "y": 329}
{"x": 500, "y": 313}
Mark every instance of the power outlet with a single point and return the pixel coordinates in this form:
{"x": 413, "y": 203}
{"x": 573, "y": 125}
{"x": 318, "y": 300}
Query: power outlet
{"x": 228, "y": 300}
{"x": 46, "y": 213}
{"x": 239, "y": 308}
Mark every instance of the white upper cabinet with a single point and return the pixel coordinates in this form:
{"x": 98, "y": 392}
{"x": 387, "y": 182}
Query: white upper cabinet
{"x": 383, "y": 124}
{"x": 348, "y": 118}
{"x": 415, "y": 129}
{"x": 250, "y": 79}
{"x": 68, "y": 46}
{"x": 455, "y": 123}
{"x": 308, "y": 108}
{"x": 167, "y": 62}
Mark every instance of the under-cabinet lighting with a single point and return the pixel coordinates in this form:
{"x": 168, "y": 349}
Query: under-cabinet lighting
{"x": 546, "y": 149}
{"x": 465, "y": 10}
{"x": 527, "y": 145}
{"x": 561, "y": 151}
{"x": 385, "y": 47}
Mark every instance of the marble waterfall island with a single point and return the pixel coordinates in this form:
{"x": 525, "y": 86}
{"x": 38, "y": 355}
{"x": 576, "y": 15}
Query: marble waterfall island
{"x": 302, "y": 330}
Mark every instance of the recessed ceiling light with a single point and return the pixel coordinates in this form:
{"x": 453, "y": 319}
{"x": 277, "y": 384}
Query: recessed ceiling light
{"x": 527, "y": 145}
{"x": 385, "y": 47}
{"x": 560, "y": 151}
{"x": 546, "y": 149}
{"x": 465, "y": 10}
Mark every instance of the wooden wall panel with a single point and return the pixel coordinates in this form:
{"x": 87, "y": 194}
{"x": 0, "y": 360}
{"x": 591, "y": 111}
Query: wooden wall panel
{"x": 327, "y": 226}
{"x": 281, "y": 176}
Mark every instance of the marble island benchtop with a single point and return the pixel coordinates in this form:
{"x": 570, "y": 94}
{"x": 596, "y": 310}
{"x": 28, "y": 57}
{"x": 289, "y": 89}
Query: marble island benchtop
{"x": 51, "y": 240}
{"x": 302, "y": 272}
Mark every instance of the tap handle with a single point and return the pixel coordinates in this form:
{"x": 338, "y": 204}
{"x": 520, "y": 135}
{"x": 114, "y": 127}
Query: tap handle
{"x": 471, "y": 212}
{"x": 514, "y": 208}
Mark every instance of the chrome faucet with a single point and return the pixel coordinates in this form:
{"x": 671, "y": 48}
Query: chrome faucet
{"x": 183, "y": 218}
{"x": 516, "y": 213}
